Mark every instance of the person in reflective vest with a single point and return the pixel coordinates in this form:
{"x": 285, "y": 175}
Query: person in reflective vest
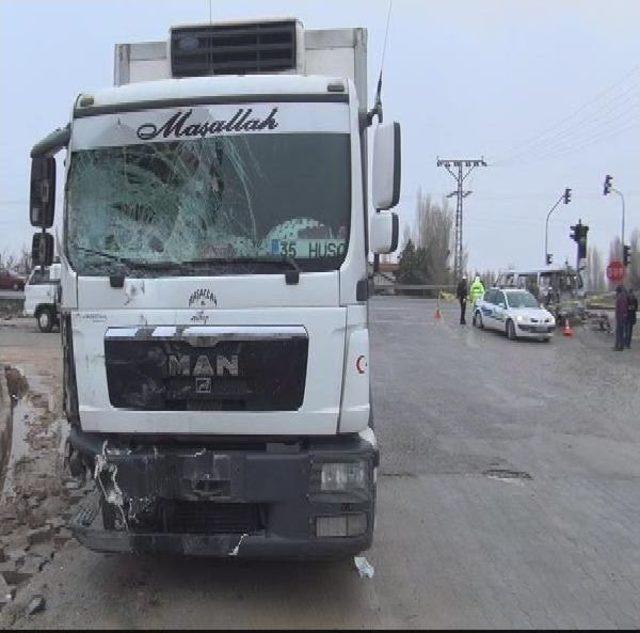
{"x": 476, "y": 291}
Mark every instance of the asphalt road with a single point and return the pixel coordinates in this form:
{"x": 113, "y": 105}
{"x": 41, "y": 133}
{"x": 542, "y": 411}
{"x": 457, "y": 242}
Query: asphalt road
{"x": 509, "y": 497}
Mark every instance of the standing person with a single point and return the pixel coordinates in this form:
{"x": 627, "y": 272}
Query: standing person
{"x": 461, "y": 292}
{"x": 632, "y": 309}
{"x": 622, "y": 310}
{"x": 477, "y": 290}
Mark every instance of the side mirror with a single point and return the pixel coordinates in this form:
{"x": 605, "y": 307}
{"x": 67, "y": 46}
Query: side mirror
{"x": 42, "y": 249}
{"x": 43, "y": 191}
{"x": 385, "y": 174}
{"x": 383, "y": 232}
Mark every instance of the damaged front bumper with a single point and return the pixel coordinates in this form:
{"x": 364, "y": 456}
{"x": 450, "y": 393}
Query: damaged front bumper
{"x": 257, "y": 500}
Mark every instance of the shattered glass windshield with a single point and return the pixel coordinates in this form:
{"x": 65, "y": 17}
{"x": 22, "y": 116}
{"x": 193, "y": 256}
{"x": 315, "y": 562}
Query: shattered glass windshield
{"x": 173, "y": 207}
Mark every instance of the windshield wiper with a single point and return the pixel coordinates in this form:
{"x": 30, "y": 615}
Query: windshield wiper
{"x": 160, "y": 265}
{"x": 292, "y": 277}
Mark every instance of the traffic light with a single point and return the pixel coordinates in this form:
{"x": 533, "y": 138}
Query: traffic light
{"x": 567, "y": 195}
{"x": 549, "y": 258}
{"x": 583, "y": 229}
{"x": 607, "y": 184}
{"x": 575, "y": 232}
{"x": 626, "y": 254}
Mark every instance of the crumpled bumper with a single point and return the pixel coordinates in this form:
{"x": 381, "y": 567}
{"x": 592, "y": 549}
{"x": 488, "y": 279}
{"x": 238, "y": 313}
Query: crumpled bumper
{"x": 259, "y": 501}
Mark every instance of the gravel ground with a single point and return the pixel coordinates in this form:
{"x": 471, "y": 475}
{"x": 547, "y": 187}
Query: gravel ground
{"x": 508, "y": 497}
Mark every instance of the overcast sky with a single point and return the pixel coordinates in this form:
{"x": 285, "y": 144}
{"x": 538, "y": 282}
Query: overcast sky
{"x": 548, "y": 91}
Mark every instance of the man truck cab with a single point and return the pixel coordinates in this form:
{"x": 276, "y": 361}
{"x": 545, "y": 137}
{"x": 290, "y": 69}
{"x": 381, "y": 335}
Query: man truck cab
{"x": 214, "y": 291}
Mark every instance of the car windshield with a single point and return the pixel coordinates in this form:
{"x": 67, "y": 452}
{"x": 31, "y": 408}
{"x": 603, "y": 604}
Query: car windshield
{"x": 521, "y": 299}
{"x": 188, "y": 203}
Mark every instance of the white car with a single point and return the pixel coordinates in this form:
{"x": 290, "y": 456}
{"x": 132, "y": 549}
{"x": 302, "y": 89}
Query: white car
{"x": 41, "y": 296}
{"x": 515, "y": 312}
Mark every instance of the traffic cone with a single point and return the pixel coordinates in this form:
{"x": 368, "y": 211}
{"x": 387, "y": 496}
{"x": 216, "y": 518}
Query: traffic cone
{"x": 438, "y": 314}
{"x": 567, "y": 331}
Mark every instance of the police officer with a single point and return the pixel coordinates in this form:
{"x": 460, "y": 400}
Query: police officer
{"x": 477, "y": 290}
{"x": 461, "y": 292}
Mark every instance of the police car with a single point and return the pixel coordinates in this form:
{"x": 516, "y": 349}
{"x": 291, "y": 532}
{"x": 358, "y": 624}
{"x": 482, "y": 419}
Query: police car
{"x": 515, "y": 312}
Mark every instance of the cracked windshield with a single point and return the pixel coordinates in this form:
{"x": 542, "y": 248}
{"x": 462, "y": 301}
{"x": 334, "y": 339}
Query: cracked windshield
{"x": 245, "y": 199}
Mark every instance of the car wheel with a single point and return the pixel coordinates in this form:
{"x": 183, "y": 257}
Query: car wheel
{"x": 511, "y": 331}
{"x": 45, "y": 320}
{"x": 16, "y": 286}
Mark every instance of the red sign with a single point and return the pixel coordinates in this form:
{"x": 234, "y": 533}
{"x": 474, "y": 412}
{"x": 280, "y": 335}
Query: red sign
{"x": 615, "y": 271}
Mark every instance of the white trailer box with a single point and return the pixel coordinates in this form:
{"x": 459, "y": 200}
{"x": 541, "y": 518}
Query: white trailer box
{"x": 275, "y": 46}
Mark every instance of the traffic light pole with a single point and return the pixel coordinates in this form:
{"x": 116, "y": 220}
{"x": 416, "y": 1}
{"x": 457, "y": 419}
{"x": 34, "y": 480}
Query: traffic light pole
{"x": 622, "y": 198}
{"x": 546, "y": 230}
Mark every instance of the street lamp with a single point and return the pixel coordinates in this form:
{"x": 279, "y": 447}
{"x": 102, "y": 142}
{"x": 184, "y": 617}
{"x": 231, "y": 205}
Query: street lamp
{"x": 608, "y": 187}
{"x": 566, "y": 198}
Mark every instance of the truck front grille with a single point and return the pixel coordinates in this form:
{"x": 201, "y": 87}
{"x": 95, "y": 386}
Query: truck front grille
{"x": 205, "y": 517}
{"x": 206, "y": 369}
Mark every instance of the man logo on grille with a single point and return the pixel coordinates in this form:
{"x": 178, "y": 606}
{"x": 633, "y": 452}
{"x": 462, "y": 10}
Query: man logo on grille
{"x": 203, "y": 385}
{"x": 180, "y": 365}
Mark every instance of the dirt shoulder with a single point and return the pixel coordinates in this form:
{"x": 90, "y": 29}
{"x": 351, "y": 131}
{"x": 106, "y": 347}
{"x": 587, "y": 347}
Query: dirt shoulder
{"x": 36, "y": 498}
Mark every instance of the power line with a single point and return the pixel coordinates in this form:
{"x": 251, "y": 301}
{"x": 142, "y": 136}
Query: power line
{"x": 544, "y": 134}
{"x": 584, "y": 127}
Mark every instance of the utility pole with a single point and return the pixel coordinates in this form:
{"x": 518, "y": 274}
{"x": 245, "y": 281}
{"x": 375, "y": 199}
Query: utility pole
{"x": 463, "y": 168}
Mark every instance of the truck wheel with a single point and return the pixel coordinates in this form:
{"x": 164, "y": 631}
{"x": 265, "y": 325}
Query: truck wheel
{"x": 511, "y": 331}
{"x": 45, "y": 319}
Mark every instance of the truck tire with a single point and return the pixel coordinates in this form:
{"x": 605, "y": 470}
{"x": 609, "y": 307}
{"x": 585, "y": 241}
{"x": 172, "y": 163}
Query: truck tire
{"x": 45, "y": 318}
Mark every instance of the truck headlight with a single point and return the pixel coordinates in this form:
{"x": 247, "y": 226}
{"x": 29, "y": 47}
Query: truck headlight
{"x": 343, "y": 476}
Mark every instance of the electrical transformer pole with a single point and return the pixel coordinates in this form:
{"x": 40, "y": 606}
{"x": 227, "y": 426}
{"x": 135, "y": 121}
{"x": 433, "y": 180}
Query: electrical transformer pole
{"x": 463, "y": 168}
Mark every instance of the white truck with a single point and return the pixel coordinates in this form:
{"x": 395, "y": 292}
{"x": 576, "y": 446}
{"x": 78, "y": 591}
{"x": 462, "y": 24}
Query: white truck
{"x": 214, "y": 291}
{"x": 41, "y": 296}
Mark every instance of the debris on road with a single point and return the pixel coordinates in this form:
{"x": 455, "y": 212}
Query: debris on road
{"x": 363, "y": 566}
{"x": 36, "y": 604}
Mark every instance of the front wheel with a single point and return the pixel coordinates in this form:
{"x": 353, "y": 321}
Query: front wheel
{"x": 45, "y": 320}
{"x": 511, "y": 331}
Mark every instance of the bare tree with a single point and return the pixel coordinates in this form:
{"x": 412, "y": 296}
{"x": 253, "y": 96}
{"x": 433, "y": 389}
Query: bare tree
{"x": 434, "y": 234}
{"x": 21, "y": 262}
{"x": 595, "y": 270}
